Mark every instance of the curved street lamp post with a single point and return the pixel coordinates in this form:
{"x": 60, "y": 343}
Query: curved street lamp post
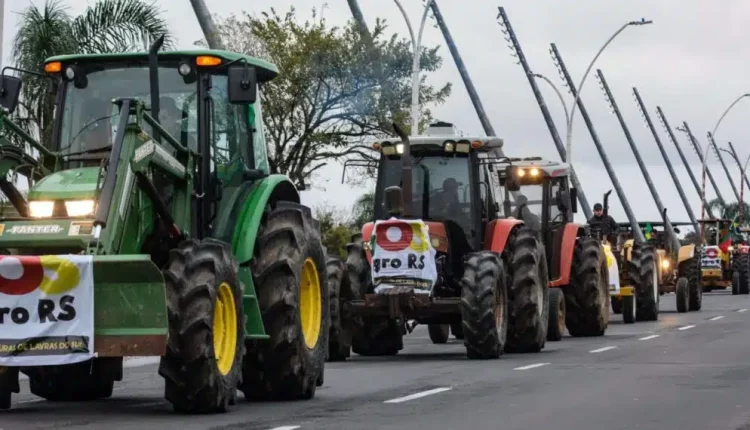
{"x": 416, "y": 43}
{"x": 569, "y": 133}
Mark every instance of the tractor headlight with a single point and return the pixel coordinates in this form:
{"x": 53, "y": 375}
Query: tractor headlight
{"x": 665, "y": 264}
{"x": 41, "y": 208}
{"x": 79, "y": 207}
{"x": 399, "y": 148}
{"x": 730, "y": 248}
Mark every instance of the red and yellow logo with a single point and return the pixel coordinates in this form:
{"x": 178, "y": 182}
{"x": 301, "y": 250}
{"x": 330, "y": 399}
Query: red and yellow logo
{"x": 22, "y": 274}
{"x": 395, "y": 236}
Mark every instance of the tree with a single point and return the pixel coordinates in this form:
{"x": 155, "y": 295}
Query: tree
{"x": 328, "y": 100}
{"x": 334, "y": 229}
{"x": 364, "y": 209}
{"x": 731, "y": 210}
{"x": 106, "y": 26}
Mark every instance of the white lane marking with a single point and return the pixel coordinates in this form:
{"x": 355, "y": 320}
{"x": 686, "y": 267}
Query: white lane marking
{"x": 716, "y": 318}
{"x": 742, "y": 310}
{"x": 653, "y": 336}
{"x": 606, "y": 348}
{"x": 531, "y": 366}
{"x": 127, "y": 363}
{"x": 686, "y": 327}
{"x": 419, "y": 395}
{"x": 286, "y": 428}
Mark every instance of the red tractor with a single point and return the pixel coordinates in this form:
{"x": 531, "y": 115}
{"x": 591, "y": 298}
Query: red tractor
{"x": 492, "y": 270}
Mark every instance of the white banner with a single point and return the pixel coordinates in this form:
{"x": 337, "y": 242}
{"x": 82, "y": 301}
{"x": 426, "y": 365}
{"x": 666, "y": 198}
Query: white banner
{"x": 614, "y": 271}
{"x": 711, "y": 257}
{"x": 403, "y": 256}
{"x": 46, "y": 310}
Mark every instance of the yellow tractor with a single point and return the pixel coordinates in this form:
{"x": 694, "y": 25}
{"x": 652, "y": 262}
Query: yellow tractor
{"x": 725, "y": 257}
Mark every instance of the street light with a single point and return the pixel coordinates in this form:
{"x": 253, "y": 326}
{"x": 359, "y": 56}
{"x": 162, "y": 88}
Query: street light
{"x": 416, "y": 44}
{"x": 557, "y": 91}
{"x": 568, "y": 137}
{"x": 710, "y": 136}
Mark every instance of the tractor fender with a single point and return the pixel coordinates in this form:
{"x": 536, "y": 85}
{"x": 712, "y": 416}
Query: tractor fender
{"x": 685, "y": 253}
{"x": 571, "y": 232}
{"x": 268, "y": 190}
{"x": 497, "y": 232}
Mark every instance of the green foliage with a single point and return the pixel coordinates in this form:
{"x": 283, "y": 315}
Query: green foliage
{"x": 731, "y": 210}
{"x": 328, "y": 99}
{"x": 106, "y": 26}
{"x": 337, "y": 226}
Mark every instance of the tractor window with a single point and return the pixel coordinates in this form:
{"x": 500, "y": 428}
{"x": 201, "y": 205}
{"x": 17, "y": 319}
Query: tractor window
{"x": 230, "y": 135}
{"x": 441, "y": 188}
{"x": 89, "y": 120}
{"x": 555, "y": 216}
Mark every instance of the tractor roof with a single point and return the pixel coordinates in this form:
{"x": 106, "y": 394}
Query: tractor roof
{"x": 265, "y": 70}
{"x": 654, "y": 223}
{"x": 549, "y": 167}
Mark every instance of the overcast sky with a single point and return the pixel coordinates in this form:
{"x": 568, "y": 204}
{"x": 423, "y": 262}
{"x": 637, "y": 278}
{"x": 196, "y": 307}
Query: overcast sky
{"x": 691, "y": 61}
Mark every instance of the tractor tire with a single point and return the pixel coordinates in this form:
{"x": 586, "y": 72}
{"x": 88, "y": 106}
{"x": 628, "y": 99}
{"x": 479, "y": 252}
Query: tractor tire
{"x": 484, "y": 305}
{"x": 8, "y": 385}
{"x": 85, "y": 381}
{"x": 339, "y": 334}
{"x": 203, "y": 363}
{"x": 735, "y": 283}
{"x": 644, "y": 275}
{"x": 289, "y": 272}
{"x": 586, "y": 305}
{"x": 616, "y": 305}
{"x": 691, "y": 270}
{"x": 528, "y": 297}
{"x": 439, "y": 333}
{"x": 743, "y": 268}
{"x": 629, "y": 309}
{"x": 556, "y": 325}
{"x": 374, "y": 336}
{"x": 682, "y": 293}
{"x": 457, "y": 331}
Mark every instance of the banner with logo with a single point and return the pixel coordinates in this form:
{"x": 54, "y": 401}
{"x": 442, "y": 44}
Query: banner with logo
{"x": 711, "y": 257}
{"x": 402, "y": 256}
{"x": 46, "y": 309}
{"x": 614, "y": 271}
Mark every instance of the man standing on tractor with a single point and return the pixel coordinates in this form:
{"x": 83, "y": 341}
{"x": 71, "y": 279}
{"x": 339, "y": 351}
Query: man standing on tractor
{"x": 605, "y": 223}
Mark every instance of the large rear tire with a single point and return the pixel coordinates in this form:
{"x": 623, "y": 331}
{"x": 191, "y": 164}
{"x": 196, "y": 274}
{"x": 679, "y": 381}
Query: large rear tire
{"x": 484, "y": 305}
{"x": 586, "y": 299}
{"x": 457, "y": 330}
{"x": 289, "y": 272}
{"x": 743, "y": 267}
{"x": 616, "y": 305}
{"x": 85, "y": 381}
{"x": 556, "y": 326}
{"x": 8, "y": 385}
{"x": 203, "y": 362}
{"x": 528, "y": 297}
{"x": 629, "y": 307}
{"x": 645, "y": 277}
{"x": 339, "y": 336}
{"x": 691, "y": 270}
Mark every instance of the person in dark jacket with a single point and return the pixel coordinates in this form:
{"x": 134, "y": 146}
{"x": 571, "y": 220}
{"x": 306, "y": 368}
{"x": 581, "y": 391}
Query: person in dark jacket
{"x": 605, "y": 223}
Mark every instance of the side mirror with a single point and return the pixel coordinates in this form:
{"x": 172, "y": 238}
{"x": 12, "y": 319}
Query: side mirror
{"x": 563, "y": 200}
{"x": 10, "y": 91}
{"x": 394, "y": 201}
{"x": 573, "y": 200}
{"x": 512, "y": 183}
{"x": 242, "y": 84}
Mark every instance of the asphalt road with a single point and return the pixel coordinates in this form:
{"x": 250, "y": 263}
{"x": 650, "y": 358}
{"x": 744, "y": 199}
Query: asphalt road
{"x": 685, "y": 371}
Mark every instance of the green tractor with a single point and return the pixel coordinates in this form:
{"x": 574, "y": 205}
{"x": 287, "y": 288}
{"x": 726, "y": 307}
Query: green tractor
{"x": 157, "y": 235}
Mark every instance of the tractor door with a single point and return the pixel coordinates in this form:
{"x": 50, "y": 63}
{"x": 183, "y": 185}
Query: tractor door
{"x": 553, "y": 223}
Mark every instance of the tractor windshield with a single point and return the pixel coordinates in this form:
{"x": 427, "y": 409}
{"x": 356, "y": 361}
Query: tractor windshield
{"x": 89, "y": 119}
{"x": 441, "y": 187}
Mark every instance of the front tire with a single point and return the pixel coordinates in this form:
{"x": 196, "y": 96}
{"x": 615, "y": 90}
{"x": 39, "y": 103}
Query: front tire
{"x": 743, "y": 267}
{"x": 457, "y": 330}
{"x": 439, "y": 333}
{"x": 682, "y": 293}
{"x": 339, "y": 336}
{"x": 586, "y": 307}
{"x": 203, "y": 362}
{"x": 556, "y": 326}
{"x": 629, "y": 309}
{"x": 289, "y": 272}
{"x": 528, "y": 298}
{"x": 691, "y": 269}
{"x": 616, "y": 305}
{"x": 645, "y": 277}
{"x": 484, "y": 305}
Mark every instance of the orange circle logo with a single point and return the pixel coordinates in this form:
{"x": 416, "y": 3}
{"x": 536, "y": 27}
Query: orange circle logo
{"x": 22, "y": 274}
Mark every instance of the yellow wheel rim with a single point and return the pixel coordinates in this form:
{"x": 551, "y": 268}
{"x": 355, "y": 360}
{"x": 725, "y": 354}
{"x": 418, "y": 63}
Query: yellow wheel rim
{"x": 225, "y": 328}
{"x": 310, "y": 307}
